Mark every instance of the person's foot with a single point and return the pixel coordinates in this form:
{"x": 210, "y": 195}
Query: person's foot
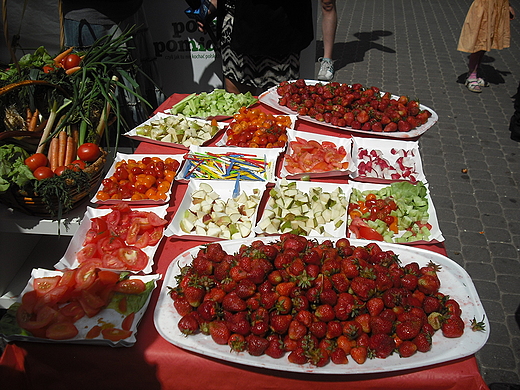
{"x": 473, "y": 85}
{"x": 326, "y": 72}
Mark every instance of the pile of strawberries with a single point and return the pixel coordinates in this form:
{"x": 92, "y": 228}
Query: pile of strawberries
{"x": 316, "y": 302}
{"x": 353, "y": 105}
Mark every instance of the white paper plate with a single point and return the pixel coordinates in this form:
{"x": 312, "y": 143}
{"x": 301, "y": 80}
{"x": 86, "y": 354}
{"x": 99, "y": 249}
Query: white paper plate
{"x": 137, "y": 157}
{"x": 384, "y": 148}
{"x": 85, "y": 323}
{"x": 455, "y": 282}
{"x": 346, "y": 142}
{"x": 69, "y": 261}
{"x": 305, "y": 187}
{"x": 224, "y": 188}
{"x": 269, "y": 155}
{"x": 159, "y": 118}
{"x": 435, "y": 231}
{"x": 271, "y": 97}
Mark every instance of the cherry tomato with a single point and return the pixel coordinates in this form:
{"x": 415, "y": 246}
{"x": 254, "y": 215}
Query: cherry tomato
{"x": 35, "y": 161}
{"x": 89, "y": 152}
{"x": 130, "y": 286}
{"x": 59, "y": 170}
{"x": 71, "y": 61}
{"x": 77, "y": 165}
{"x": 41, "y": 173}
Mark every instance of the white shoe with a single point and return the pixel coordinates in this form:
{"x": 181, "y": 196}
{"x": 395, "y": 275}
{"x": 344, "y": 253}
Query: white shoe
{"x": 326, "y": 72}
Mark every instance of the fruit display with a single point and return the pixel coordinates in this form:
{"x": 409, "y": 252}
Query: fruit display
{"x": 212, "y": 210}
{"x": 253, "y": 128}
{"x": 176, "y": 130}
{"x": 311, "y": 302}
{"x": 139, "y": 178}
{"x": 353, "y": 106}
{"x": 399, "y": 212}
{"x": 305, "y": 208}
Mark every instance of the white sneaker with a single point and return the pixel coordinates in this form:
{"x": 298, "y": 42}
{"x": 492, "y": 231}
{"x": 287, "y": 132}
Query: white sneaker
{"x": 326, "y": 72}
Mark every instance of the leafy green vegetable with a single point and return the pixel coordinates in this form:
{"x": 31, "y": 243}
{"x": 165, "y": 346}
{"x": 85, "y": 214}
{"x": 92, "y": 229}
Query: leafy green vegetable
{"x": 219, "y": 102}
{"x": 12, "y": 167}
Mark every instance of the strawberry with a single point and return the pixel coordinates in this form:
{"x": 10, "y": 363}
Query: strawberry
{"x": 428, "y": 284}
{"x": 283, "y": 305}
{"x": 409, "y": 281}
{"x": 296, "y": 330}
{"x": 202, "y": 265}
{"x": 395, "y": 297}
{"x": 182, "y": 306}
{"x": 381, "y": 344}
{"x": 325, "y": 313}
{"x": 268, "y": 299}
{"x": 219, "y": 332}
{"x": 328, "y": 296}
{"x": 318, "y": 329}
{"x": 256, "y": 345}
{"x": 364, "y": 288}
{"x": 342, "y": 310}
{"x": 379, "y": 324}
{"x": 239, "y": 325}
{"x": 237, "y": 342}
{"x": 334, "y": 329}
{"x": 453, "y": 327}
{"x": 260, "y": 328}
{"x": 452, "y": 307}
{"x": 352, "y": 329}
{"x": 275, "y": 349}
{"x": 188, "y": 324}
{"x": 275, "y": 277}
{"x": 279, "y": 323}
{"x": 340, "y": 282}
{"x": 359, "y": 354}
{"x": 300, "y": 303}
{"x": 194, "y": 295}
{"x": 297, "y": 356}
{"x": 408, "y": 329}
{"x": 285, "y": 288}
{"x": 430, "y": 304}
{"x": 232, "y": 302}
{"x": 364, "y": 321}
{"x": 318, "y": 357}
{"x": 245, "y": 289}
{"x": 423, "y": 341}
{"x": 375, "y": 306}
{"x": 338, "y": 356}
{"x": 216, "y": 294}
{"x": 407, "y": 348}
{"x": 349, "y": 267}
{"x": 207, "y": 310}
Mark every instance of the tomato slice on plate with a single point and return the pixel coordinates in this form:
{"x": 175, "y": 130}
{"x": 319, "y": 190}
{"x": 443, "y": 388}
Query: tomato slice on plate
{"x": 133, "y": 231}
{"x": 108, "y": 277}
{"x": 112, "y": 262}
{"x": 130, "y": 286}
{"x": 143, "y": 240}
{"x": 30, "y": 322}
{"x": 128, "y": 321}
{"x": 155, "y": 235}
{"x": 155, "y": 220}
{"x": 45, "y": 284}
{"x": 86, "y": 274}
{"x": 61, "y": 331}
{"x": 94, "y": 332}
{"x": 114, "y": 334}
{"x": 134, "y": 258}
{"x": 89, "y": 251}
{"x": 73, "y": 310}
{"x": 109, "y": 244}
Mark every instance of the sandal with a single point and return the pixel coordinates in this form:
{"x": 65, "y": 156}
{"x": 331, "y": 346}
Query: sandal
{"x": 481, "y": 82}
{"x": 473, "y": 85}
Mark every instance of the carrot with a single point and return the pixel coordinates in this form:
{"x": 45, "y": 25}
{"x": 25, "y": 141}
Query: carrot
{"x": 70, "y": 154}
{"x": 75, "y": 134}
{"x": 52, "y": 155}
{"x": 41, "y": 125}
{"x": 62, "y": 146}
{"x": 62, "y": 55}
{"x": 34, "y": 120}
{"x": 28, "y": 117}
{"x": 73, "y": 69}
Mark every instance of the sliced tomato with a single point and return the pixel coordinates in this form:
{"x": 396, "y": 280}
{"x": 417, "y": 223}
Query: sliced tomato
{"x": 155, "y": 235}
{"x": 133, "y": 231}
{"x": 94, "y": 332}
{"x": 128, "y": 321}
{"x": 92, "y": 300}
{"x": 73, "y": 310}
{"x": 89, "y": 251}
{"x": 143, "y": 240}
{"x": 86, "y": 274}
{"x": 113, "y": 218}
{"x": 134, "y": 258}
{"x": 31, "y": 321}
{"x": 45, "y": 284}
{"x": 114, "y": 334}
{"x": 362, "y": 230}
{"x": 112, "y": 262}
{"x": 108, "y": 277}
{"x": 58, "y": 294}
{"x": 68, "y": 278}
{"x": 130, "y": 286}
{"x": 155, "y": 220}
{"x": 61, "y": 331}
{"x": 109, "y": 244}
{"x": 123, "y": 305}
{"x": 30, "y": 300}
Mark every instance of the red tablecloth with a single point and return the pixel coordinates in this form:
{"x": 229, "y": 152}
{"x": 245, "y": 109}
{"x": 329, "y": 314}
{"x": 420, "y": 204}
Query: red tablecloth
{"x": 154, "y": 363}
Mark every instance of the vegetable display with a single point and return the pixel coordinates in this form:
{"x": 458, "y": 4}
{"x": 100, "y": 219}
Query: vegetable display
{"x": 314, "y": 302}
{"x": 304, "y": 156}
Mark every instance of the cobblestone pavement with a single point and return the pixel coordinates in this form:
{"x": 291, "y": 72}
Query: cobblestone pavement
{"x": 408, "y": 47}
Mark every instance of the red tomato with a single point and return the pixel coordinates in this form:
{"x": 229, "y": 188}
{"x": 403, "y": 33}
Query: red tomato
{"x": 59, "y": 170}
{"x": 42, "y": 172}
{"x": 61, "y": 331}
{"x": 130, "y": 286}
{"x": 35, "y": 161}
{"x": 114, "y": 334}
{"x": 89, "y": 152}
{"x": 128, "y": 321}
{"x": 48, "y": 69}
{"x": 77, "y": 165}
{"x": 155, "y": 220}
{"x": 112, "y": 262}
{"x": 108, "y": 277}
{"x": 109, "y": 244}
{"x": 134, "y": 258}
{"x": 71, "y": 61}
{"x": 45, "y": 284}
{"x": 30, "y": 322}
{"x": 89, "y": 251}
{"x": 155, "y": 235}
{"x": 86, "y": 274}
{"x": 94, "y": 332}
{"x": 73, "y": 310}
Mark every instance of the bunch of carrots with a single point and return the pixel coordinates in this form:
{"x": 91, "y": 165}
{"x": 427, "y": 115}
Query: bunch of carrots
{"x": 63, "y": 149}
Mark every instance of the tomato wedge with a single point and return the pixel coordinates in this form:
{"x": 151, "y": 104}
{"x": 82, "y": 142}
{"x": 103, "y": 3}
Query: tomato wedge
{"x": 86, "y": 274}
{"x": 128, "y": 321}
{"x": 30, "y": 322}
{"x": 130, "y": 286}
{"x": 134, "y": 258}
{"x": 94, "y": 332}
{"x": 114, "y": 334}
{"x": 45, "y": 284}
{"x": 362, "y": 230}
{"x": 61, "y": 331}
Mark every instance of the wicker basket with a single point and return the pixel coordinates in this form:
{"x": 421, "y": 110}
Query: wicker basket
{"x": 31, "y": 203}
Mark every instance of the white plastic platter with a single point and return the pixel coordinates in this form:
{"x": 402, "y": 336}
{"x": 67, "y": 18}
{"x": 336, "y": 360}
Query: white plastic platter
{"x": 271, "y": 97}
{"x": 305, "y": 186}
{"x": 270, "y": 156}
{"x": 137, "y": 157}
{"x": 389, "y": 150}
{"x": 455, "y": 282}
{"x": 69, "y": 260}
{"x": 84, "y": 324}
{"x": 224, "y": 188}
{"x": 346, "y": 142}
{"x": 435, "y": 231}
{"x": 160, "y": 118}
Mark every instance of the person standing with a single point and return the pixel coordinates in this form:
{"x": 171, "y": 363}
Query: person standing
{"x": 486, "y": 27}
{"x": 329, "y": 23}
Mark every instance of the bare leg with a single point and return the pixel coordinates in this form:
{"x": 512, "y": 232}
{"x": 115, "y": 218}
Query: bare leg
{"x": 474, "y": 62}
{"x": 328, "y": 26}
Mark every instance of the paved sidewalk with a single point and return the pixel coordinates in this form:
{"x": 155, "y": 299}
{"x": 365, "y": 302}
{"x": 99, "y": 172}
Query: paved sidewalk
{"x": 408, "y": 47}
